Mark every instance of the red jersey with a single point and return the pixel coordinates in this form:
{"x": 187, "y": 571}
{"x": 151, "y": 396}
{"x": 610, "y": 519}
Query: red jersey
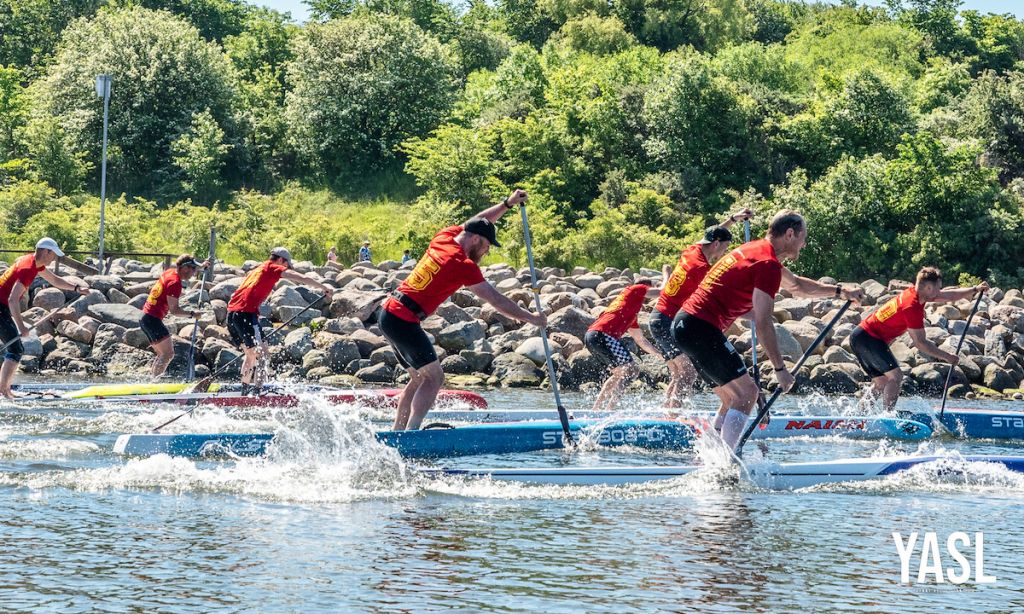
{"x": 256, "y": 287}
{"x": 24, "y": 270}
{"x": 442, "y": 270}
{"x": 727, "y": 291}
{"x": 894, "y": 318}
{"x": 620, "y": 316}
{"x": 169, "y": 284}
{"x": 689, "y": 271}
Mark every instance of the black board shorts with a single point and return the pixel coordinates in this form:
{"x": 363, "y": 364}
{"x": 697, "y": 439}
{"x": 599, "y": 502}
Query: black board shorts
{"x": 708, "y": 349}
{"x": 411, "y": 343}
{"x": 9, "y": 332}
{"x": 245, "y": 329}
{"x": 660, "y": 326}
{"x": 154, "y": 328}
{"x": 607, "y": 348}
{"x": 873, "y": 354}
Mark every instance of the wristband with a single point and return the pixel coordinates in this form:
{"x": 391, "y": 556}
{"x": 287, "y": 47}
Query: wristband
{"x": 507, "y": 204}
{"x": 839, "y": 290}
{"x": 777, "y": 369}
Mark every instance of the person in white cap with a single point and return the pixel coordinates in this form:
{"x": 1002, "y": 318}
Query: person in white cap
{"x": 244, "y": 312}
{"x": 13, "y": 284}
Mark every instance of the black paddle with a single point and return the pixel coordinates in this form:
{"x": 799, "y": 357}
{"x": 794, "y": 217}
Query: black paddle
{"x": 563, "y": 415}
{"x": 207, "y": 274}
{"x": 800, "y": 363}
{"x": 960, "y": 344}
{"x": 203, "y": 384}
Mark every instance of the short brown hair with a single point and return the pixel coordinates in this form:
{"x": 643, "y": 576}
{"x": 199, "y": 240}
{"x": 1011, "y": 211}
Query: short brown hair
{"x": 930, "y": 274}
{"x": 784, "y": 220}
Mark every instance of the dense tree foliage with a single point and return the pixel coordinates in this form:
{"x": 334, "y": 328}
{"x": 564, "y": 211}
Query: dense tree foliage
{"x": 898, "y": 130}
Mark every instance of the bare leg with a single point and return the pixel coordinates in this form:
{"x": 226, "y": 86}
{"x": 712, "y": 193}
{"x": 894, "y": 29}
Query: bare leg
{"x": 261, "y": 365}
{"x": 249, "y": 365}
{"x": 741, "y": 395}
{"x": 891, "y": 390}
{"x": 164, "y": 353}
{"x": 611, "y": 392}
{"x": 683, "y": 376}
{"x": 7, "y": 376}
{"x": 433, "y": 377}
{"x": 405, "y": 400}
{"x": 671, "y": 396}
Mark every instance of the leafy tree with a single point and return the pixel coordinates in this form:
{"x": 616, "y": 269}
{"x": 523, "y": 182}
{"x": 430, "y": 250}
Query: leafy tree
{"x": 215, "y": 19}
{"x": 455, "y": 164}
{"x": 14, "y": 106}
{"x": 992, "y": 112}
{"x": 53, "y": 157}
{"x": 200, "y": 154}
{"x": 363, "y": 85}
{"x": 163, "y": 74}
{"x": 30, "y": 29}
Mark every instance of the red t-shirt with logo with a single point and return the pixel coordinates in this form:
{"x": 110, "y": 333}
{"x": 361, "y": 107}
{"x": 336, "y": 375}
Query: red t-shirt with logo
{"x": 621, "y": 314}
{"x": 24, "y": 270}
{"x": 894, "y": 318}
{"x": 689, "y": 271}
{"x": 442, "y": 270}
{"x": 256, "y": 287}
{"x": 727, "y": 291}
{"x": 169, "y": 284}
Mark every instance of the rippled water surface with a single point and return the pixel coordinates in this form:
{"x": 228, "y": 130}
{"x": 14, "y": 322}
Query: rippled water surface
{"x": 333, "y": 520}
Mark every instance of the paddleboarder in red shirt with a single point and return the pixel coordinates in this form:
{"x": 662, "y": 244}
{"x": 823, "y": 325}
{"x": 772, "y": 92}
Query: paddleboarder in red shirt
{"x": 603, "y": 339}
{"x": 163, "y": 300}
{"x": 14, "y": 282}
{"x": 871, "y": 339}
{"x": 743, "y": 283}
{"x": 244, "y": 313}
{"x": 694, "y": 262}
{"x": 451, "y": 262}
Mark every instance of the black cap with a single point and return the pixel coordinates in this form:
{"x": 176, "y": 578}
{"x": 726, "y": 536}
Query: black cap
{"x": 715, "y": 233}
{"x": 483, "y": 227}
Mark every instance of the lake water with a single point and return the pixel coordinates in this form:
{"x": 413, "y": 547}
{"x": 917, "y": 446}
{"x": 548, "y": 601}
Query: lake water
{"x": 336, "y": 522}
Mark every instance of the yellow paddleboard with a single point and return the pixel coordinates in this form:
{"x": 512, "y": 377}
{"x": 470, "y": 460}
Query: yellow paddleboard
{"x": 122, "y": 390}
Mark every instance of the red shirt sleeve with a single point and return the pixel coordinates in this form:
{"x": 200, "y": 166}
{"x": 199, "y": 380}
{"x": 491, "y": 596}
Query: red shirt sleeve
{"x": 767, "y": 277}
{"x": 915, "y": 316}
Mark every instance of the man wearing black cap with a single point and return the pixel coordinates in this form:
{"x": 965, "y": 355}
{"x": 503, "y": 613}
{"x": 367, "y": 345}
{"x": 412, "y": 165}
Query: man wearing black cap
{"x": 451, "y": 262}
{"x": 163, "y": 300}
{"x": 694, "y": 262}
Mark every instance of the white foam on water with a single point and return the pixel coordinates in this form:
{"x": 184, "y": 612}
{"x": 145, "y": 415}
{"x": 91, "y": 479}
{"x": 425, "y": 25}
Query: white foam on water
{"x": 42, "y": 449}
{"x": 319, "y": 456}
{"x": 948, "y": 475}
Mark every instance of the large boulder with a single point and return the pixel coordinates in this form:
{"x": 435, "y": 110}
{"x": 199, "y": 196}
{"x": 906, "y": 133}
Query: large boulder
{"x": 104, "y": 282}
{"x": 295, "y": 316}
{"x": 836, "y": 354}
{"x": 379, "y": 373}
{"x": 367, "y": 342}
{"x": 479, "y": 361}
{"x": 74, "y": 332}
{"x": 342, "y": 326}
{"x": 588, "y": 280}
{"x": 929, "y": 378}
{"x": 339, "y": 351}
{"x": 297, "y": 343}
{"x": 998, "y": 378}
{"x": 533, "y": 348}
{"x": 349, "y": 303}
{"x": 48, "y": 299}
{"x": 107, "y": 335}
{"x": 788, "y": 345}
{"x": 516, "y": 371}
{"x": 384, "y": 355}
{"x": 122, "y": 315}
{"x": 830, "y": 378}
{"x": 797, "y": 307}
{"x": 461, "y": 336}
{"x": 570, "y": 320}
{"x": 82, "y": 304}
{"x": 804, "y": 333}
{"x": 222, "y": 291}
{"x": 585, "y": 367}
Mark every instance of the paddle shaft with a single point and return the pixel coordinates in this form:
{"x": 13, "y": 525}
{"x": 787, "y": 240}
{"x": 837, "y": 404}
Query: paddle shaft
{"x": 959, "y": 344}
{"x": 799, "y": 364}
{"x": 209, "y": 378}
{"x": 207, "y": 274}
{"x": 41, "y": 320}
{"x": 563, "y": 415}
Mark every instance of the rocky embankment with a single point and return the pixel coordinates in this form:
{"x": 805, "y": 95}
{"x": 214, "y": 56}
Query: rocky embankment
{"x": 335, "y": 344}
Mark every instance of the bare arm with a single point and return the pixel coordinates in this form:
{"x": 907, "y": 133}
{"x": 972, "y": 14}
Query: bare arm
{"x": 59, "y": 282}
{"x": 922, "y": 343}
{"x": 14, "y": 303}
{"x": 309, "y": 281}
{"x": 763, "y": 317}
{"x": 808, "y": 288}
{"x": 174, "y": 308}
{"x": 494, "y": 213}
{"x": 743, "y": 214}
{"x": 951, "y": 295}
{"x": 642, "y": 341}
{"x": 506, "y": 305}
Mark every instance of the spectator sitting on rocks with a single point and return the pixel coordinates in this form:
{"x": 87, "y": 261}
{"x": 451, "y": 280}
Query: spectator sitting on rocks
{"x": 332, "y": 255}
{"x": 364, "y": 252}
{"x": 871, "y": 339}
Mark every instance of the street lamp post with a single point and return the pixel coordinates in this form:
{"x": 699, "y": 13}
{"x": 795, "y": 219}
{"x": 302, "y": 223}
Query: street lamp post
{"x": 103, "y": 91}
